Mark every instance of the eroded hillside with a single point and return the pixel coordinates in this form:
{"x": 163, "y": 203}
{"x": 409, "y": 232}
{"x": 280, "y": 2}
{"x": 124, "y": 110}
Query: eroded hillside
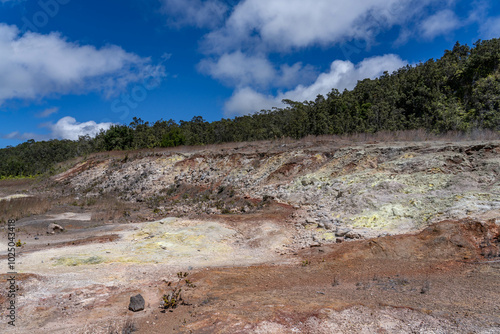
{"x": 282, "y": 237}
{"x": 385, "y": 188}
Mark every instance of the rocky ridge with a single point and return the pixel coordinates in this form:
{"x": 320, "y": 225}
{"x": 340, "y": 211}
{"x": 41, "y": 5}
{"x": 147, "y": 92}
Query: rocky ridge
{"x": 340, "y": 192}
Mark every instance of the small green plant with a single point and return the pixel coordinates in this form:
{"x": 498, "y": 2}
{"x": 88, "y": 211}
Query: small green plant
{"x": 19, "y": 243}
{"x": 174, "y": 298}
{"x": 91, "y": 201}
{"x": 305, "y": 263}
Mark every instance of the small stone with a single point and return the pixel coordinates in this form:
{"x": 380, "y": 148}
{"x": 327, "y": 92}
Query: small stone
{"x": 342, "y": 232}
{"x": 353, "y": 235}
{"x": 137, "y": 303}
{"x": 310, "y": 220}
{"x": 54, "y": 228}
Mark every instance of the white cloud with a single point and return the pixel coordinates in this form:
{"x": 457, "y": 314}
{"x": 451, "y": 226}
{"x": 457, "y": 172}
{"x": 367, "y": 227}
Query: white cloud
{"x": 25, "y": 136}
{"x": 34, "y": 66}
{"x": 65, "y": 128}
{"x": 440, "y": 23}
{"x": 246, "y": 101}
{"x": 491, "y": 28}
{"x": 342, "y": 75}
{"x": 47, "y": 112}
{"x": 239, "y": 70}
{"x": 69, "y": 128}
{"x": 197, "y": 13}
{"x": 280, "y": 25}
{"x": 238, "y": 52}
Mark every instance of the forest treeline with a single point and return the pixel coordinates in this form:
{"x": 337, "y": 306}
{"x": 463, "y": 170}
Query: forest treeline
{"x": 458, "y": 92}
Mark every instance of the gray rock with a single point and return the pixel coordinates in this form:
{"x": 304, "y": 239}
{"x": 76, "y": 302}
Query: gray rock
{"x": 54, "y": 228}
{"x": 342, "y": 231}
{"x": 337, "y": 222}
{"x": 330, "y": 226}
{"x": 353, "y": 235}
{"x": 310, "y": 220}
{"x": 137, "y": 303}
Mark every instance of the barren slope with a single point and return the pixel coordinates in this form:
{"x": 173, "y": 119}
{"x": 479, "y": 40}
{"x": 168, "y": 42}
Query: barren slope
{"x": 288, "y": 238}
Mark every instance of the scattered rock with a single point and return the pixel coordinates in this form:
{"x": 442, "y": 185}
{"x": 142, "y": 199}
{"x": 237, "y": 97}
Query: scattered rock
{"x": 425, "y": 288}
{"x": 54, "y": 228}
{"x": 343, "y": 231}
{"x": 137, "y": 303}
{"x": 353, "y": 235}
{"x": 329, "y": 226}
{"x": 310, "y": 220}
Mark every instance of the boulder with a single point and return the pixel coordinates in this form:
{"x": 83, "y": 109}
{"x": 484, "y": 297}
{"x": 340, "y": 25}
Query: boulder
{"x": 310, "y": 220}
{"x": 342, "y": 231}
{"x": 54, "y": 228}
{"x": 137, "y": 303}
{"x": 353, "y": 235}
{"x": 330, "y": 226}
{"x": 327, "y": 224}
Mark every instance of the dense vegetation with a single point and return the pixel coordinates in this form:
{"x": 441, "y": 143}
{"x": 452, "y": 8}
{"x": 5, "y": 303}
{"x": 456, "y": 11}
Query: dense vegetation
{"x": 459, "y": 92}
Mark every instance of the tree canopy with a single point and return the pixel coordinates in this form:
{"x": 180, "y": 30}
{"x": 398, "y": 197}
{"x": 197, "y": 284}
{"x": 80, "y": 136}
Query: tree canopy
{"x": 458, "y": 92}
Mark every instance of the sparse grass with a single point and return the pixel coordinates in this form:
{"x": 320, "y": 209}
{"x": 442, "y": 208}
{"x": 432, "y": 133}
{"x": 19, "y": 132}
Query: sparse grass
{"x": 129, "y": 327}
{"x": 418, "y": 135}
{"x": 18, "y": 208}
{"x": 285, "y": 143}
{"x": 10, "y": 178}
{"x": 11, "y": 185}
{"x": 175, "y": 297}
{"x": 110, "y": 208}
{"x": 155, "y": 201}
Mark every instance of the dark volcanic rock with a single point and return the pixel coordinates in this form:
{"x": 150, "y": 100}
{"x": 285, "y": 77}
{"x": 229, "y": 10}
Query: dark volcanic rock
{"x": 136, "y": 303}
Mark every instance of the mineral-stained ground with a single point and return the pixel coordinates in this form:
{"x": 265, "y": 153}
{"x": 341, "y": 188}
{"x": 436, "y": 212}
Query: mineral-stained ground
{"x": 277, "y": 237}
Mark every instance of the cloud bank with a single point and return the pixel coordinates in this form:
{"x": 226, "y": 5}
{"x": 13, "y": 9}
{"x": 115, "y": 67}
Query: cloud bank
{"x": 34, "y": 66}
{"x": 282, "y": 25}
{"x": 245, "y": 35}
{"x": 342, "y": 75}
{"x": 69, "y": 128}
{"x": 242, "y": 36}
{"x": 65, "y": 128}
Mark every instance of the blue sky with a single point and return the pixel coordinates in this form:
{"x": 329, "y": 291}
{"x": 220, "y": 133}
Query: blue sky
{"x": 73, "y": 67}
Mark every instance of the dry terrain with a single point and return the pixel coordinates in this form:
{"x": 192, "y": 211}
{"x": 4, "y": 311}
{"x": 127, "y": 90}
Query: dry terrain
{"x": 315, "y": 236}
